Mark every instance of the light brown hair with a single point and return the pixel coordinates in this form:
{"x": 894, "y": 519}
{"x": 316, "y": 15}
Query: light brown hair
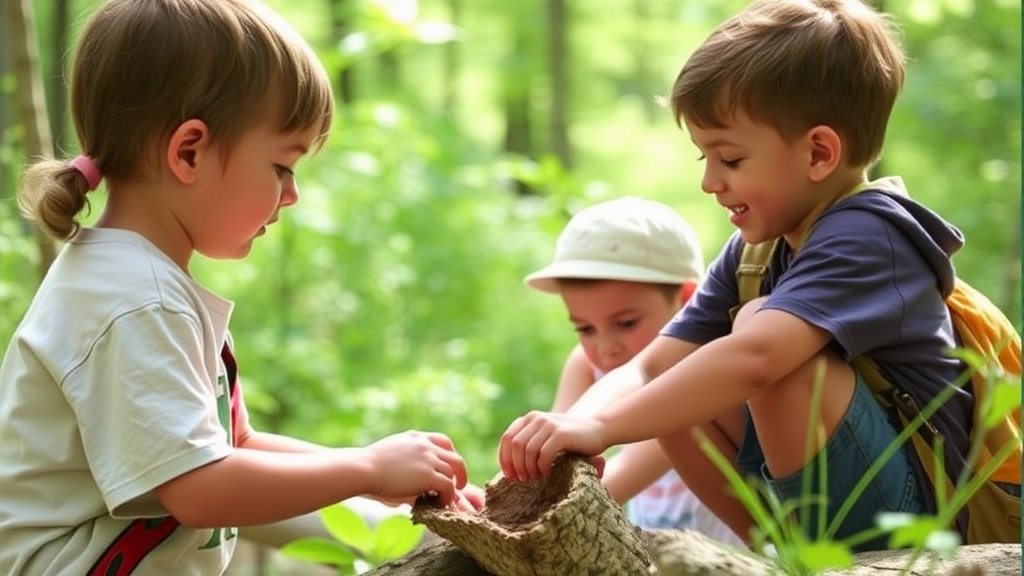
{"x": 796, "y": 64}
{"x": 142, "y": 67}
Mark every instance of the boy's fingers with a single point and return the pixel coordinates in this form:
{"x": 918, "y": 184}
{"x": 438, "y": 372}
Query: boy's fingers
{"x": 507, "y": 449}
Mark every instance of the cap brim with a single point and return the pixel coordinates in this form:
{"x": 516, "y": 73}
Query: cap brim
{"x": 546, "y": 279}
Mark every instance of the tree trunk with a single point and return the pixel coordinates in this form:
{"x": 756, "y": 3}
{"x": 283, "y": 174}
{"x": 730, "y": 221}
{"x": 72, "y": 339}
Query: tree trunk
{"x": 56, "y": 88}
{"x": 31, "y": 102}
{"x": 517, "y": 96}
{"x": 643, "y": 75}
{"x": 558, "y": 70}
{"x": 341, "y": 16}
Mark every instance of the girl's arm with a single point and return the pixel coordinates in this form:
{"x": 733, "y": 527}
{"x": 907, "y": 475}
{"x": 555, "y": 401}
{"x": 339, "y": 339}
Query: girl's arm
{"x": 657, "y": 357}
{"x": 258, "y": 487}
{"x": 634, "y": 468}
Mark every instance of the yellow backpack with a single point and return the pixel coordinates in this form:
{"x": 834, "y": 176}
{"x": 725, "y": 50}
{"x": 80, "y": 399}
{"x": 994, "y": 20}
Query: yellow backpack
{"x": 994, "y": 515}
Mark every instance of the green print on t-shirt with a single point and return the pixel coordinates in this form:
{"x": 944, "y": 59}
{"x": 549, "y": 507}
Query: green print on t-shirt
{"x": 219, "y": 536}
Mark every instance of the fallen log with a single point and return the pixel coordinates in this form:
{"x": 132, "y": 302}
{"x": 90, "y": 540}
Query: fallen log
{"x": 567, "y": 525}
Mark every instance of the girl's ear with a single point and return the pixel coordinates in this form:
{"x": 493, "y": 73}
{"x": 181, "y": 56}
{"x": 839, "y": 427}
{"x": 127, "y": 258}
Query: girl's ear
{"x": 826, "y": 149}
{"x": 189, "y": 144}
{"x": 686, "y": 292}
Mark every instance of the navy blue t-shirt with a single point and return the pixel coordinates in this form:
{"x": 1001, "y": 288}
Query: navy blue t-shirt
{"x": 874, "y": 273}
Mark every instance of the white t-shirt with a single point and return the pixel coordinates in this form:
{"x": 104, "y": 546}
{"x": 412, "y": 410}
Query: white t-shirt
{"x": 669, "y": 503}
{"x": 113, "y": 384}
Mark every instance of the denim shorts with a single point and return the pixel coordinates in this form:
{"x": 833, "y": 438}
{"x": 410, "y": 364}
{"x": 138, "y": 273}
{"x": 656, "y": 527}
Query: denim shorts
{"x": 859, "y": 440}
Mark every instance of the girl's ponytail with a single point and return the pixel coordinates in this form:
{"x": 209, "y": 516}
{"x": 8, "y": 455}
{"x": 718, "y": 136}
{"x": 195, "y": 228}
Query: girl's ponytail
{"x": 52, "y": 193}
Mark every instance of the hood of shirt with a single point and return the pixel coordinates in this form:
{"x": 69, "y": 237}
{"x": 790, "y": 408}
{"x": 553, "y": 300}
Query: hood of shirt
{"x": 934, "y": 237}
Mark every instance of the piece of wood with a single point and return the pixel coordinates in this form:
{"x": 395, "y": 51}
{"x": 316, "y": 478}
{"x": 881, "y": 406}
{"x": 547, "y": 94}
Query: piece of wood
{"x": 687, "y": 553}
{"x": 567, "y": 525}
{"x": 562, "y": 525}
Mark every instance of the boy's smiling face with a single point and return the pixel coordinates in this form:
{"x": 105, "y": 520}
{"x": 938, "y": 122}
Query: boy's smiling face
{"x": 615, "y": 319}
{"x": 761, "y": 179}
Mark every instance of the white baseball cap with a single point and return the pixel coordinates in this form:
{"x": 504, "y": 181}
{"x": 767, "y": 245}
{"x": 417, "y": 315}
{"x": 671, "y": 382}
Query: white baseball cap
{"x": 629, "y": 238}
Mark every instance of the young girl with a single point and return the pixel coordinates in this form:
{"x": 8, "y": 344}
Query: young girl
{"x": 125, "y": 446}
{"x": 623, "y": 269}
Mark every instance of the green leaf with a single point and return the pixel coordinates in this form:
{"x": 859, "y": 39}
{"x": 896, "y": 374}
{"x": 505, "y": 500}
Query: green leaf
{"x": 891, "y": 521}
{"x": 915, "y": 534}
{"x": 348, "y": 527}
{"x": 396, "y": 536}
{"x": 1004, "y": 397}
{"x": 319, "y": 550}
{"x": 816, "y": 556}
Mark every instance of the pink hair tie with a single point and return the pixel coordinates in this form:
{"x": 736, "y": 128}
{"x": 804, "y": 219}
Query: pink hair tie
{"x": 88, "y": 168}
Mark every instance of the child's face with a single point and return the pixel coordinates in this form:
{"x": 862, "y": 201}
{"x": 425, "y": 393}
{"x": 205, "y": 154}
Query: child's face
{"x": 244, "y": 194}
{"x": 615, "y": 319}
{"x": 757, "y": 176}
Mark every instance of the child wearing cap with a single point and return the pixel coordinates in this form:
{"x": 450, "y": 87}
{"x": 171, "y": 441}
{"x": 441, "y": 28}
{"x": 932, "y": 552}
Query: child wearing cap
{"x": 623, "y": 269}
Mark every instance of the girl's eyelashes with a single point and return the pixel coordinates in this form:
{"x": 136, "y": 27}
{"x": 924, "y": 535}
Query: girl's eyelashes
{"x": 283, "y": 171}
{"x": 702, "y": 158}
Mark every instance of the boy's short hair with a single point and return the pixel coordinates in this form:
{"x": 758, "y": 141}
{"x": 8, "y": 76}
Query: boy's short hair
{"x": 631, "y": 239}
{"x": 796, "y": 64}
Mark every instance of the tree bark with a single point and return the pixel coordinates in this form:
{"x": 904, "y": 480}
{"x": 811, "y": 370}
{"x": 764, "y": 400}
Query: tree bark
{"x": 558, "y": 70}
{"x": 517, "y": 95}
{"x": 568, "y": 525}
{"x": 56, "y": 88}
{"x": 562, "y": 525}
{"x": 341, "y": 17}
{"x": 31, "y": 101}
{"x": 687, "y": 553}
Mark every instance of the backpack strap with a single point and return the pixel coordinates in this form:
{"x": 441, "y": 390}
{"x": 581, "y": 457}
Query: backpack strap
{"x": 752, "y": 269}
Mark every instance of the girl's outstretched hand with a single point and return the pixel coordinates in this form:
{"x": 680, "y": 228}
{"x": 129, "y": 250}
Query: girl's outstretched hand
{"x": 409, "y": 464}
{"x": 532, "y": 441}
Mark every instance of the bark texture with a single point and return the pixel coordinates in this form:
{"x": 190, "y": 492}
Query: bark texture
{"x": 687, "y": 553}
{"x": 562, "y": 525}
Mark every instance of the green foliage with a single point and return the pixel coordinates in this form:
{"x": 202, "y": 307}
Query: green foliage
{"x": 356, "y": 547}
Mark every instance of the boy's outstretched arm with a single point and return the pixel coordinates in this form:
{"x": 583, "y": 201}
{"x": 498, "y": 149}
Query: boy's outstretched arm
{"x": 257, "y": 486}
{"x": 718, "y": 376}
{"x": 661, "y": 354}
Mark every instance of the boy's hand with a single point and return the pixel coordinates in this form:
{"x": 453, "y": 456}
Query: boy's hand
{"x": 532, "y": 441}
{"x": 412, "y": 463}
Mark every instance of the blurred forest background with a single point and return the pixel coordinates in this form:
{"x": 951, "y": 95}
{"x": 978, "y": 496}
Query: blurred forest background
{"x": 467, "y": 132}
